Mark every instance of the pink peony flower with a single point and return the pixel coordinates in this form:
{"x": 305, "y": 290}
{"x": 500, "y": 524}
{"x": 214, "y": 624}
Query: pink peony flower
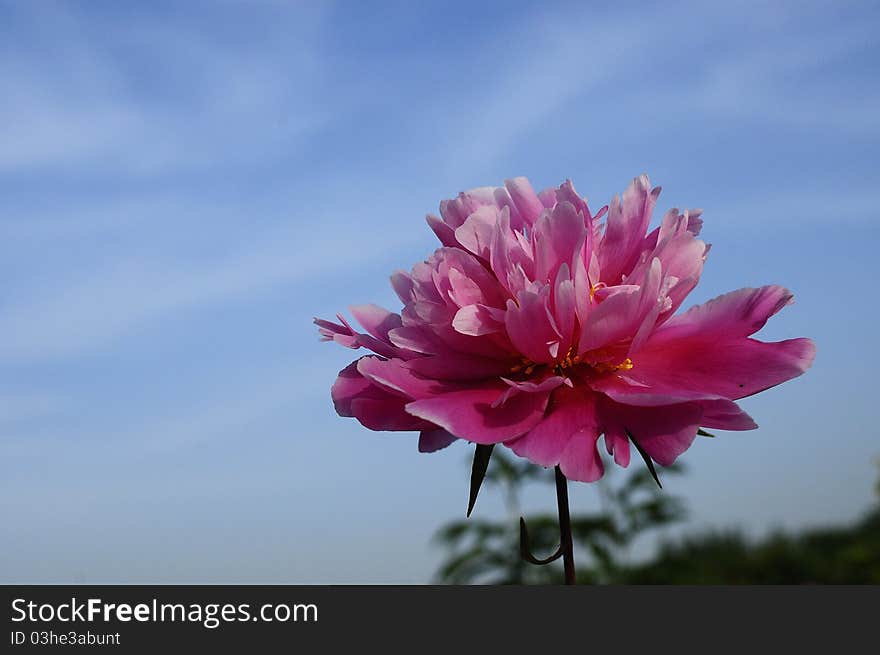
{"x": 536, "y": 326}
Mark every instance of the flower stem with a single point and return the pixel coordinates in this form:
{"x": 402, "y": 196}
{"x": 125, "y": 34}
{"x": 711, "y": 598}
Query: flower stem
{"x": 565, "y": 540}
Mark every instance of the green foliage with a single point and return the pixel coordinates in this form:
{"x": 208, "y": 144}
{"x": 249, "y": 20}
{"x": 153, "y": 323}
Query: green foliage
{"x": 482, "y": 455}
{"x": 847, "y": 555}
{"x": 482, "y": 551}
{"x": 838, "y": 555}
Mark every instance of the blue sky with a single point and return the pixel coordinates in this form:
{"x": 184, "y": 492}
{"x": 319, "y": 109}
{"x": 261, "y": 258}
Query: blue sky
{"x": 183, "y": 186}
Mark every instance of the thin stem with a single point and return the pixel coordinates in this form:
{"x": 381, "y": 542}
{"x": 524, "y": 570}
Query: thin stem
{"x": 565, "y": 542}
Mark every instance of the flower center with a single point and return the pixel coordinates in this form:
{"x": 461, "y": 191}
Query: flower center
{"x": 571, "y": 361}
{"x": 608, "y": 367}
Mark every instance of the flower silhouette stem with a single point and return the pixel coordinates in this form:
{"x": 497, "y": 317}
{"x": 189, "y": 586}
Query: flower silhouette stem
{"x": 566, "y": 544}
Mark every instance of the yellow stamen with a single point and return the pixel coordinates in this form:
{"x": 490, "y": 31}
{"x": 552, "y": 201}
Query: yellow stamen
{"x": 607, "y": 367}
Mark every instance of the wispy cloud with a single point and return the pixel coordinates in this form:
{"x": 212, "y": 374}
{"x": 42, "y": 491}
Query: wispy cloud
{"x": 69, "y": 101}
{"x": 625, "y": 66}
{"x": 131, "y": 292}
{"x": 791, "y": 80}
{"x": 543, "y": 63}
{"x": 225, "y": 408}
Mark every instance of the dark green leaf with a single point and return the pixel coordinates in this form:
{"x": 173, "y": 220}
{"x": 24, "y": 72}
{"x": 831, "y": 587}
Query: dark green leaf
{"x": 703, "y": 433}
{"x": 648, "y": 462}
{"x": 525, "y": 550}
{"x": 482, "y": 454}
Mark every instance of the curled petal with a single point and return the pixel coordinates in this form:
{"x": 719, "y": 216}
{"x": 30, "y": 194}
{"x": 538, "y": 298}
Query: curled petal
{"x": 376, "y": 320}
{"x": 343, "y": 334}
{"x": 625, "y": 230}
{"x": 566, "y": 436}
{"x": 525, "y": 199}
{"x": 452, "y": 366}
{"x": 477, "y": 320}
{"x": 529, "y": 325}
{"x": 736, "y": 314}
{"x": 509, "y": 257}
{"x": 433, "y": 440}
{"x": 580, "y": 460}
{"x": 476, "y": 233}
{"x": 548, "y": 384}
{"x": 566, "y": 193}
{"x": 470, "y": 415}
{"x": 625, "y": 313}
{"x": 443, "y": 230}
{"x": 725, "y": 414}
{"x": 663, "y": 432}
{"x": 377, "y": 409}
{"x": 556, "y": 235}
{"x": 394, "y": 376}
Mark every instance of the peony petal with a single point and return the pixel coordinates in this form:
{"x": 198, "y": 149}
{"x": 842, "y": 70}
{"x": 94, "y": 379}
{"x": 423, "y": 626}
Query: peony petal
{"x": 570, "y": 411}
{"x": 723, "y": 414}
{"x": 617, "y": 444}
{"x": 469, "y": 414}
{"x": 556, "y": 236}
{"x": 729, "y": 368}
{"x": 694, "y": 226}
{"x": 402, "y": 284}
{"x": 525, "y": 198}
{"x": 376, "y": 320}
{"x": 341, "y": 334}
{"x": 417, "y": 339}
{"x": 377, "y": 409}
{"x": 682, "y": 256}
{"x": 505, "y": 204}
{"x": 458, "y": 273}
{"x": 477, "y": 232}
{"x": 625, "y": 229}
{"x": 507, "y": 257}
{"x": 397, "y": 378}
{"x": 456, "y": 211}
{"x": 704, "y": 353}
{"x": 547, "y": 198}
{"x": 527, "y": 386}
{"x": 458, "y": 367}
{"x": 386, "y": 414}
{"x": 345, "y": 335}
{"x": 349, "y": 385}
{"x": 477, "y": 320}
{"x": 443, "y": 230}
{"x": 564, "y": 301}
{"x": 431, "y": 441}
{"x": 464, "y": 291}
{"x": 663, "y": 432}
{"x": 736, "y": 314}
{"x": 718, "y": 411}
{"x": 529, "y": 327}
{"x": 580, "y": 460}
{"x": 626, "y": 312}
{"x": 567, "y": 193}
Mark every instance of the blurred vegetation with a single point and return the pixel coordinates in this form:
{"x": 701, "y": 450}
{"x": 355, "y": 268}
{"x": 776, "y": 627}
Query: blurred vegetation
{"x": 487, "y": 552}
